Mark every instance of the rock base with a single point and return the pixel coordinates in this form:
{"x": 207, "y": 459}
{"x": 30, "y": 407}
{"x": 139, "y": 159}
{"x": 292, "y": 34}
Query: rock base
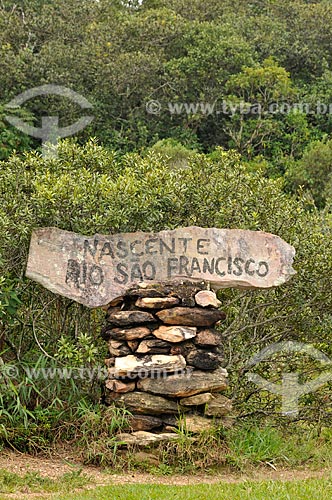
{"x": 165, "y": 361}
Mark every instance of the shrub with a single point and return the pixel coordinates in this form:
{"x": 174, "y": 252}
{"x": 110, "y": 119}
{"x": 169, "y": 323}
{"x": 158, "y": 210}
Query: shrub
{"x": 313, "y": 172}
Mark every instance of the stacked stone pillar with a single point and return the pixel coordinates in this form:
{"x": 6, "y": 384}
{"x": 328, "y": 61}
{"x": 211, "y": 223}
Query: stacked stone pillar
{"x": 166, "y": 360}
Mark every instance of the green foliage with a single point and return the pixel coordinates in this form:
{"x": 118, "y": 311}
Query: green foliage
{"x": 120, "y": 55}
{"x": 176, "y": 154}
{"x": 272, "y": 122}
{"x": 9, "y": 301}
{"x": 313, "y": 172}
{"x": 97, "y": 439}
{"x": 12, "y": 139}
{"x": 78, "y": 353}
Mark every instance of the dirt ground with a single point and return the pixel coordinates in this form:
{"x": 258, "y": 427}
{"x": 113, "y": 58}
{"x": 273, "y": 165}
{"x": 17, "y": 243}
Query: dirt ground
{"x": 55, "y": 467}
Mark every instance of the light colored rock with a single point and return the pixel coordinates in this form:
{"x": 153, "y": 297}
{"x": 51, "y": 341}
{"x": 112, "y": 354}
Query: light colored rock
{"x": 145, "y": 438}
{"x": 198, "y": 399}
{"x": 175, "y": 333}
{"x": 143, "y": 403}
{"x": 119, "y": 386}
{"x": 155, "y": 364}
{"x": 156, "y": 303}
{"x": 186, "y": 384}
{"x": 95, "y": 270}
{"x": 138, "y": 332}
{"x": 196, "y": 424}
{"x": 219, "y": 406}
{"x": 206, "y": 298}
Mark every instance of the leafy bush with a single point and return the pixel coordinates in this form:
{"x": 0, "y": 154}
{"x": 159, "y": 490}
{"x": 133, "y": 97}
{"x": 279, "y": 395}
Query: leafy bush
{"x": 176, "y": 154}
{"x": 313, "y": 172}
{"x": 9, "y": 301}
{"x": 11, "y": 139}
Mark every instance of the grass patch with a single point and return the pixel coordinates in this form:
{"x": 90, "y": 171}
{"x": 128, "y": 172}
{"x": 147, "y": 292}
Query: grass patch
{"x": 32, "y": 482}
{"x": 297, "y": 490}
{"x": 298, "y": 446}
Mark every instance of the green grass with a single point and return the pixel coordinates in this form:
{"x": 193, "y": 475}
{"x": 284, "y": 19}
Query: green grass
{"x": 33, "y": 482}
{"x": 253, "y": 446}
{"x": 317, "y": 489}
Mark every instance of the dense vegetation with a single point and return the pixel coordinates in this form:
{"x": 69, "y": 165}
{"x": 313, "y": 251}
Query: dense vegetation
{"x": 262, "y": 168}
{"x": 252, "y": 76}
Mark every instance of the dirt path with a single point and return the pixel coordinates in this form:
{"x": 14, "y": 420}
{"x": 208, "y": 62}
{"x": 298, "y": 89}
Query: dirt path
{"x": 56, "y": 467}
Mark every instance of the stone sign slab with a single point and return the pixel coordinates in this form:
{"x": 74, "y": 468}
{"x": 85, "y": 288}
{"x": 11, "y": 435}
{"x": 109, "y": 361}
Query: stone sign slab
{"x": 95, "y": 270}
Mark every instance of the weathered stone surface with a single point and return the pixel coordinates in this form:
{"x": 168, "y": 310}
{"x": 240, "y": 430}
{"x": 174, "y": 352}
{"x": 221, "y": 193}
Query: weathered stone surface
{"x": 186, "y": 384}
{"x": 156, "y": 303}
{"x": 112, "y": 309}
{"x": 105, "y": 333}
{"x": 116, "y": 302}
{"x": 154, "y": 364}
{"x": 175, "y": 333}
{"x": 188, "y": 302}
{"x": 219, "y": 406}
{"x": 119, "y": 386}
{"x": 138, "y": 332}
{"x": 169, "y": 428}
{"x": 198, "y": 399}
{"x": 208, "y": 337}
{"x": 171, "y": 420}
{"x": 144, "y": 438}
{"x": 142, "y": 402}
{"x": 146, "y": 292}
{"x": 95, "y": 270}
{"x": 109, "y": 362}
{"x": 133, "y": 344}
{"x": 118, "y": 348}
{"x": 190, "y": 316}
{"x": 181, "y": 289}
{"x": 204, "y": 360}
{"x": 206, "y": 298}
{"x": 196, "y": 424}
{"x": 144, "y": 422}
{"x": 125, "y": 318}
{"x": 147, "y": 457}
{"x": 183, "y": 348}
{"x": 153, "y": 346}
